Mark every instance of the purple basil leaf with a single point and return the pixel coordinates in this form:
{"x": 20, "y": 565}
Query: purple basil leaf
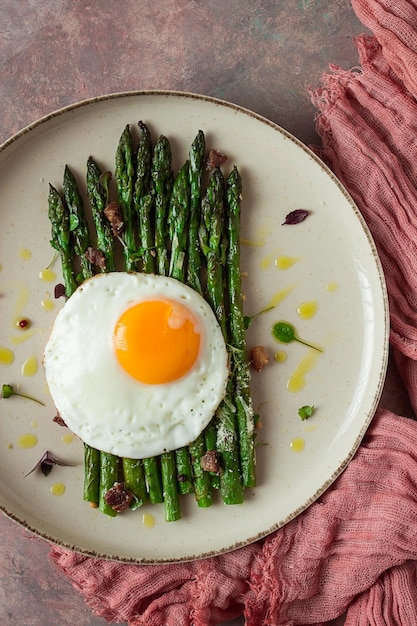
{"x": 45, "y": 464}
{"x": 46, "y": 468}
{"x": 296, "y": 216}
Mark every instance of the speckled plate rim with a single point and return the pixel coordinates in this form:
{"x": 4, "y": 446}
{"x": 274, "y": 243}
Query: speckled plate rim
{"x": 384, "y": 339}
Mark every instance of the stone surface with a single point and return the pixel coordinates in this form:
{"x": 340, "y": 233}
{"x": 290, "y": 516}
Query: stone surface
{"x": 260, "y": 54}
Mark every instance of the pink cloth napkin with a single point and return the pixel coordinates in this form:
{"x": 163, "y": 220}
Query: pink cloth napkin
{"x": 355, "y": 549}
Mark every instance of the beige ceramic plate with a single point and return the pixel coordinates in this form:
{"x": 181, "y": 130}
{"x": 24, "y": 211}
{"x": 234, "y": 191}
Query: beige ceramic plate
{"x": 330, "y": 261}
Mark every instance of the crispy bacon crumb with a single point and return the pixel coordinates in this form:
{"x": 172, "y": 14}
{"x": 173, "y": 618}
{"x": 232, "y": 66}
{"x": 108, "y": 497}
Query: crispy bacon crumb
{"x": 59, "y": 291}
{"x": 96, "y": 257}
{"x": 210, "y": 462}
{"x": 114, "y": 215}
{"x": 118, "y": 497}
{"x": 58, "y": 420}
{"x": 258, "y": 358}
{"x": 215, "y": 159}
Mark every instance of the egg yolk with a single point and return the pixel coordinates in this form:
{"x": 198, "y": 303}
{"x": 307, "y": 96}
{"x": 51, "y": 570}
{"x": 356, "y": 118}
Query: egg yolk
{"x": 157, "y": 341}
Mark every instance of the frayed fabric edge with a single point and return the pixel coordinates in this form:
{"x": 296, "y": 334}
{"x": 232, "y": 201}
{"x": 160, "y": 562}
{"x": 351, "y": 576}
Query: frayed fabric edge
{"x": 335, "y": 83}
{"x": 90, "y": 600}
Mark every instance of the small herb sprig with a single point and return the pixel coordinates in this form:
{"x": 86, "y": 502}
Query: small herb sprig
{"x": 306, "y": 411}
{"x": 248, "y": 319}
{"x": 7, "y": 391}
{"x": 284, "y": 332}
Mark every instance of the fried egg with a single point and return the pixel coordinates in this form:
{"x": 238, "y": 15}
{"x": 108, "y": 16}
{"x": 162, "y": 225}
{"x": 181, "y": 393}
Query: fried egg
{"x": 136, "y": 364}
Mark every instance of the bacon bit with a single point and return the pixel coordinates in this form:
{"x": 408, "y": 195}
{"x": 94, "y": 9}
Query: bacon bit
{"x": 96, "y": 257}
{"x": 58, "y": 420}
{"x": 118, "y": 497}
{"x": 59, "y": 291}
{"x": 114, "y": 215}
{"x": 258, "y": 358}
{"x": 215, "y": 159}
{"x": 210, "y": 462}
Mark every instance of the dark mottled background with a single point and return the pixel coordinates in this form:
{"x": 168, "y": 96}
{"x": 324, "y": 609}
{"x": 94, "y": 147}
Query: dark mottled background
{"x": 259, "y": 54}
{"x": 262, "y": 54}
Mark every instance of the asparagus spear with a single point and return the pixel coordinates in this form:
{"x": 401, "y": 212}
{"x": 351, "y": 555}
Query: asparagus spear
{"x": 98, "y": 195}
{"x": 213, "y": 246}
{"x": 178, "y": 220}
{"x": 146, "y": 241}
{"x": 109, "y": 474}
{"x": 178, "y": 217}
{"x": 78, "y": 224}
{"x": 125, "y": 176}
{"x": 203, "y": 481}
{"x": 245, "y": 413}
{"x": 183, "y": 472}
{"x": 143, "y": 200}
{"x": 196, "y": 159}
{"x": 161, "y": 177}
{"x": 170, "y": 487}
{"x": 91, "y": 475}
{"x": 162, "y": 182}
{"x": 201, "y": 478}
{"x": 134, "y": 480}
{"x": 210, "y": 442}
{"x": 61, "y": 240}
{"x": 143, "y": 165}
{"x": 151, "y": 467}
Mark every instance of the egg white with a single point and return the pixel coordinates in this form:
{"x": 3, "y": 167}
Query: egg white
{"x": 104, "y": 405}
